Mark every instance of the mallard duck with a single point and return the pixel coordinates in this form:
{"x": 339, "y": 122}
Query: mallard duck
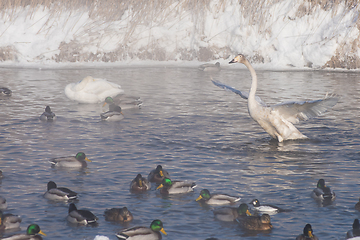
{"x": 357, "y": 205}
{"x": 355, "y": 231}
{"x": 229, "y": 214}
{"x": 5, "y": 92}
{"x": 255, "y": 223}
{"x": 8, "y": 221}
{"x": 209, "y": 67}
{"x": 3, "y": 203}
{"x": 31, "y": 234}
{"x": 48, "y": 115}
{"x": 1, "y": 174}
{"x": 92, "y": 90}
{"x": 80, "y": 216}
{"x": 269, "y": 209}
{"x": 122, "y": 101}
{"x": 322, "y": 192}
{"x": 307, "y": 234}
{"x": 143, "y": 233}
{"x": 216, "y": 199}
{"x": 118, "y": 215}
{"x": 111, "y": 116}
{"x": 139, "y": 184}
{"x": 175, "y": 187}
{"x": 157, "y": 175}
{"x": 59, "y": 194}
{"x": 79, "y": 161}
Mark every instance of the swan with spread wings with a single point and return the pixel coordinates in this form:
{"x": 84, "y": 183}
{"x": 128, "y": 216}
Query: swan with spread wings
{"x": 278, "y": 120}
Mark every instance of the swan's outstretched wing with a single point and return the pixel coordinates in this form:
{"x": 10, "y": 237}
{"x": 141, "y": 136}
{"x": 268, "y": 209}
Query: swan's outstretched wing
{"x": 297, "y": 111}
{"x": 244, "y": 95}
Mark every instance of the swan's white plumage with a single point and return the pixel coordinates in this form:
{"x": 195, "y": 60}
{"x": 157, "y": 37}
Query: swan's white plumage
{"x": 278, "y": 120}
{"x": 92, "y": 90}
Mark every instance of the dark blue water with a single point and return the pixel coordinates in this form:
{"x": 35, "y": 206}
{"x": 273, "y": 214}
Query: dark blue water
{"x": 197, "y": 132}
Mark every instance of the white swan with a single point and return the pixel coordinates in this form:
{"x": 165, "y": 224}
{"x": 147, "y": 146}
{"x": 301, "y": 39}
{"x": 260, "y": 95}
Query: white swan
{"x": 278, "y": 120}
{"x": 92, "y": 90}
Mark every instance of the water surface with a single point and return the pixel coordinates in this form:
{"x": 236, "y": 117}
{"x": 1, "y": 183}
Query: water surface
{"x": 197, "y": 132}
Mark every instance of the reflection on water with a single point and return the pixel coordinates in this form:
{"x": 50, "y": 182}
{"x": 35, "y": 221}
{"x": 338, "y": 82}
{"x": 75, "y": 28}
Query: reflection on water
{"x": 197, "y": 132}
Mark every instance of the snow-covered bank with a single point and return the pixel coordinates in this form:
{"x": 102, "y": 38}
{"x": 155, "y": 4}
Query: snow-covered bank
{"x": 282, "y": 33}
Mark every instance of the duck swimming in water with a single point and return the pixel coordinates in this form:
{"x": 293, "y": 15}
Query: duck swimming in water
{"x": 118, "y": 215}
{"x": 307, "y": 234}
{"x": 9, "y": 221}
{"x": 48, "y": 115}
{"x": 255, "y": 223}
{"x": 216, "y": 199}
{"x": 157, "y": 175}
{"x": 143, "y": 233}
{"x": 31, "y": 234}
{"x": 230, "y": 214}
{"x": 355, "y": 231}
{"x": 5, "y": 92}
{"x": 175, "y": 187}
{"x": 83, "y": 217}
{"x": 322, "y": 192}
{"x": 59, "y": 193}
{"x": 79, "y": 161}
{"x": 269, "y": 209}
{"x": 139, "y": 184}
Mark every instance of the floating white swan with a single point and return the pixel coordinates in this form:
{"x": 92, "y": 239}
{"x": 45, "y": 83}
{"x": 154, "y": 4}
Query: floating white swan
{"x": 278, "y": 120}
{"x": 92, "y": 90}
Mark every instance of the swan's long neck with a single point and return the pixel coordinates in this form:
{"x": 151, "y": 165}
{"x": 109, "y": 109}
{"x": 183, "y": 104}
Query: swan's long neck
{"x": 252, "y": 92}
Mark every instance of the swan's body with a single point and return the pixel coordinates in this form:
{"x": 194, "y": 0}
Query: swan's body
{"x": 48, "y": 115}
{"x": 118, "y": 215}
{"x": 83, "y": 217}
{"x": 55, "y": 193}
{"x": 278, "y": 120}
{"x": 9, "y": 221}
{"x": 216, "y": 199}
{"x": 143, "y": 233}
{"x": 92, "y": 90}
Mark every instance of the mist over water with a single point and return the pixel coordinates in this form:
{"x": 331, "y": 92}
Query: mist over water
{"x": 277, "y": 34}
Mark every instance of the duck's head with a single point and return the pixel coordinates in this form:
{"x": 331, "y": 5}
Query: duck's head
{"x": 34, "y": 229}
{"x": 81, "y": 156}
{"x": 243, "y": 210}
{"x": 255, "y": 203}
{"x": 108, "y": 100}
{"x": 48, "y": 109}
{"x": 204, "y": 194}
{"x": 72, "y": 207}
{"x": 356, "y": 224}
{"x": 239, "y": 59}
{"x": 51, "y": 185}
{"x": 138, "y": 179}
{"x": 125, "y": 213}
{"x": 308, "y": 231}
{"x": 159, "y": 170}
{"x": 157, "y": 226}
{"x": 166, "y": 182}
{"x": 321, "y": 183}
